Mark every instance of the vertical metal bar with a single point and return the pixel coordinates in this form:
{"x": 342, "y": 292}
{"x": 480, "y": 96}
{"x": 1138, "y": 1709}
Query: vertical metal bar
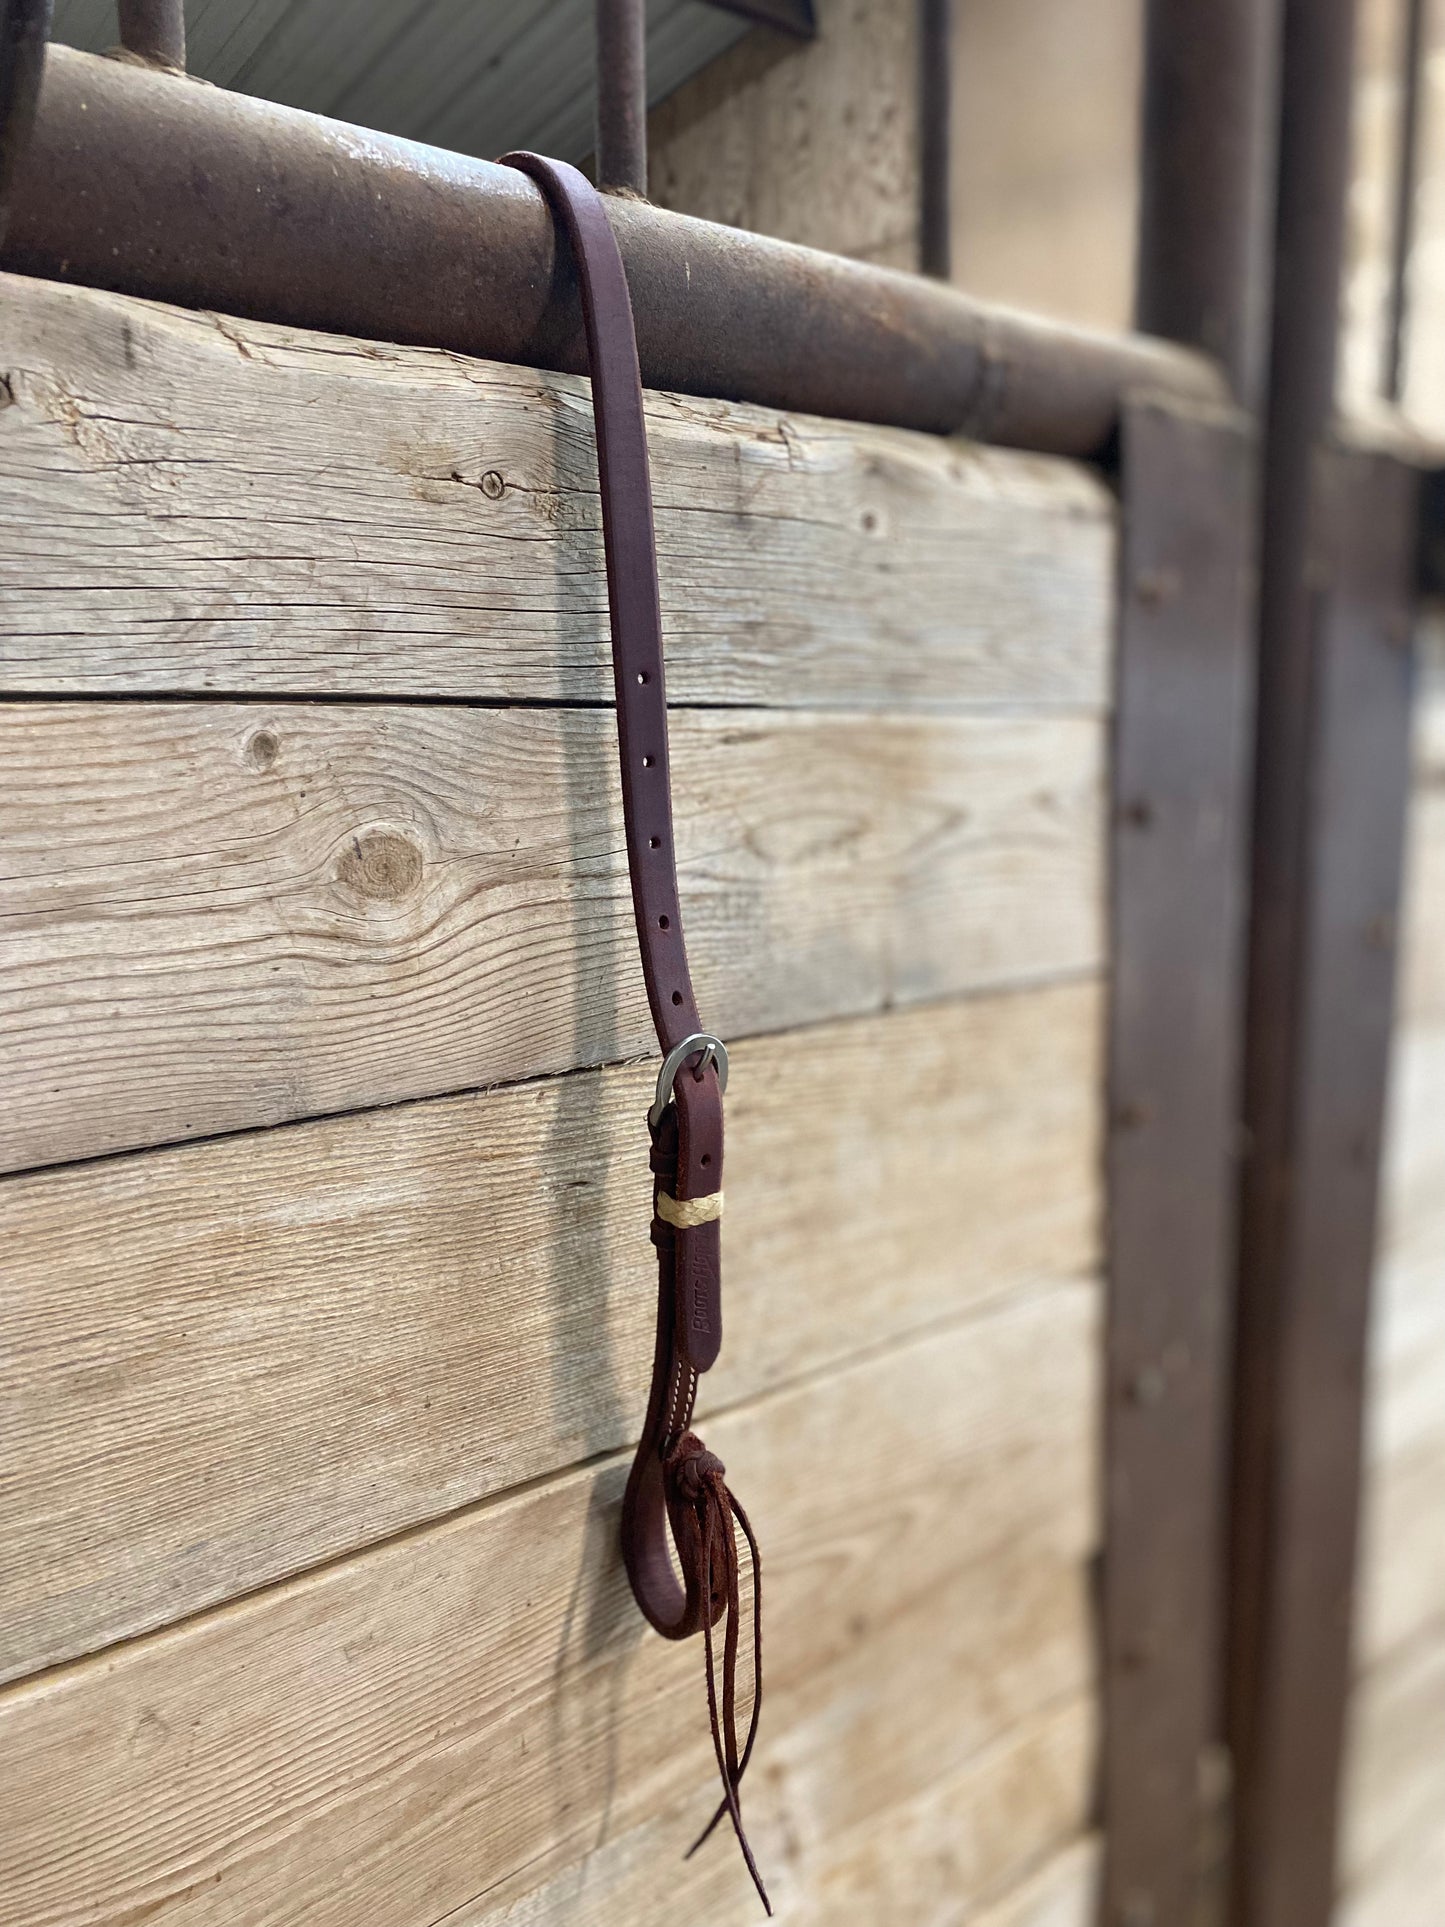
{"x": 1207, "y": 172}
{"x": 1179, "y": 884}
{"x": 935, "y": 129}
{"x": 621, "y": 152}
{"x": 24, "y": 30}
{"x": 154, "y": 30}
{"x": 1311, "y": 1196}
{"x": 1180, "y": 792}
{"x": 1407, "y": 163}
{"x": 1334, "y": 543}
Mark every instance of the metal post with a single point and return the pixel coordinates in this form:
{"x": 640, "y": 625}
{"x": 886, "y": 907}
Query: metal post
{"x": 1331, "y": 772}
{"x": 1406, "y": 170}
{"x": 1177, "y": 861}
{"x": 24, "y": 30}
{"x": 1207, "y": 173}
{"x": 1188, "y": 488}
{"x": 154, "y": 30}
{"x": 1312, "y": 1195}
{"x": 621, "y": 156}
{"x": 935, "y": 117}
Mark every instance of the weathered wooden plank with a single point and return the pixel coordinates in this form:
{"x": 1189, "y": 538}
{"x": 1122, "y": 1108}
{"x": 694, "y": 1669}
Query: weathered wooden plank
{"x": 1423, "y": 974}
{"x": 1409, "y": 1339}
{"x": 1393, "y": 1870}
{"x": 976, "y": 1834}
{"x": 1407, "y": 1892}
{"x": 218, "y": 916}
{"x": 1396, "y": 1784}
{"x": 1062, "y": 1894}
{"x": 1403, "y": 1566}
{"x": 1414, "y": 1179}
{"x": 967, "y": 1837}
{"x": 226, "y": 1362}
{"x": 197, "y": 503}
{"x": 426, "y": 1721}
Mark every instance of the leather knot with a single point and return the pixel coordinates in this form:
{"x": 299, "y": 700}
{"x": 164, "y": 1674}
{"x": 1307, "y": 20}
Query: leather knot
{"x": 695, "y": 1470}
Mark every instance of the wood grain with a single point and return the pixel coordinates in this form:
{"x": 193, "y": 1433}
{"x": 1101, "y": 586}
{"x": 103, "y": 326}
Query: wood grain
{"x": 1394, "y": 1868}
{"x": 227, "y": 1362}
{"x": 204, "y": 504}
{"x": 969, "y": 1836}
{"x": 1403, "y": 1569}
{"x": 218, "y": 916}
{"x": 1423, "y": 970}
{"x": 1062, "y": 1894}
{"x": 1396, "y": 1789}
{"x": 1405, "y": 1892}
{"x": 478, "y": 1703}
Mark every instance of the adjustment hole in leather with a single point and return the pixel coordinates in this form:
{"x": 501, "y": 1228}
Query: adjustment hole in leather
{"x": 664, "y": 923}
{"x": 642, "y": 675}
{"x": 706, "y": 1159}
{"x": 648, "y": 761}
{"x": 654, "y": 843}
{"x": 677, "y": 996}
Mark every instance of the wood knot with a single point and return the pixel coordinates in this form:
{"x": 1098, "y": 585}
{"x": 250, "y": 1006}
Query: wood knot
{"x": 261, "y": 749}
{"x": 381, "y": 864}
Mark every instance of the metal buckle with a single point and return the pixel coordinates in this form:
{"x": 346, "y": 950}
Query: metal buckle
{"x": 712, "y": 1050}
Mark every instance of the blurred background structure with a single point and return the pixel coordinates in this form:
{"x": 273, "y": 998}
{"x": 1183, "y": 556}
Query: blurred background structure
{"x": 749, "y": 124}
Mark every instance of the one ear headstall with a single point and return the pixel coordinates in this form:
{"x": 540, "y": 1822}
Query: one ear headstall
{"x": 676, "y": 1487}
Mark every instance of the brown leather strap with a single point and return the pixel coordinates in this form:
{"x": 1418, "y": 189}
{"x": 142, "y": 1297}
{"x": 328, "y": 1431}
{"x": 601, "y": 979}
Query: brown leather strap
{"x": 676, "y": 1488}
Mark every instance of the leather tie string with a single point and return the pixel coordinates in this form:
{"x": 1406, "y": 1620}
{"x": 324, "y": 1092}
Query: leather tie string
{"x": 705, "y": 1521}
{"x": 677, "y": 1501}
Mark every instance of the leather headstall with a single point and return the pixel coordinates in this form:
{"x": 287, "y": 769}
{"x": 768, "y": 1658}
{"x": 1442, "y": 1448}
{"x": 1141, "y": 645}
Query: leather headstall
{"x": 677, "y": 1489}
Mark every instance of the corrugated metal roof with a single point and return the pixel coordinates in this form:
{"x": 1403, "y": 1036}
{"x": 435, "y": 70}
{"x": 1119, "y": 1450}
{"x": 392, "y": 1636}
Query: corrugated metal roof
{"x": 477, "y": 76}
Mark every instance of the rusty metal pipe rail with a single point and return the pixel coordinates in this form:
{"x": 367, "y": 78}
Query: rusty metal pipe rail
{"x": 161, "y": 186}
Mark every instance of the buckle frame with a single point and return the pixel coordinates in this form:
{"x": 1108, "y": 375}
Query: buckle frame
{"x": 701, "y": 1043}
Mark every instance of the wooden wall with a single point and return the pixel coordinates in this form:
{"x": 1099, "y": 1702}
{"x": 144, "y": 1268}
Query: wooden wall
{"x": 325, "y": 1326}
{"x": 1395, "y": 1856}
{"x": 813, "y": 141}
